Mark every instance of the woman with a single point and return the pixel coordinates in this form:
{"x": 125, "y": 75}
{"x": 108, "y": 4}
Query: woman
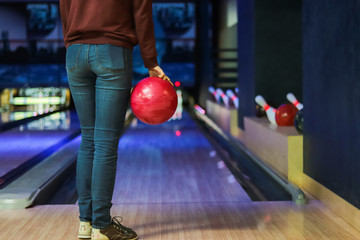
{"x": 99, "y": 36}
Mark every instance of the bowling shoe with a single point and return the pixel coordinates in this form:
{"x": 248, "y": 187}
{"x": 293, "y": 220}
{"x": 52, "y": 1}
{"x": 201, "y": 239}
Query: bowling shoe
{"x": 84, "y": 230}
{"x": 116, "y": 231}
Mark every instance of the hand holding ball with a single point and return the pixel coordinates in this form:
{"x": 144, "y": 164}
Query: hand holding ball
{"x": 153, "y": 100}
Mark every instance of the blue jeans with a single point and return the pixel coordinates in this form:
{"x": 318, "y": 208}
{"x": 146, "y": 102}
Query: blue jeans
{"x": 100, "y": 81}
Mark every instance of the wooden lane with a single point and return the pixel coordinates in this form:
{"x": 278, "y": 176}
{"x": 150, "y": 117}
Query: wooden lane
{"x": 22, "y": 144}
{"x": 188, "y": 221}
{"x": 176, "y": 188}
{"x": 156, "y": 166}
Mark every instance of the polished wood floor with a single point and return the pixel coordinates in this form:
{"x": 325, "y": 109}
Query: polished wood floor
{"x": 156, "y": 166}
{"x": 172, "y": 187}
{"x": 25, "y": 143}
{"x": 188, "y": 221}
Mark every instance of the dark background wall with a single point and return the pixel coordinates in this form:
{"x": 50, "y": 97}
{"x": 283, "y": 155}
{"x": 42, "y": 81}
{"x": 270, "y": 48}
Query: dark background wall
{"x": 332, "y": 95}
{"x": 269, "y": 52}
{"x": 246, "y": 62}
{"x": 312, "y": 48}
{"x": 278, "y": 49}
{"x": 203, "y": 55}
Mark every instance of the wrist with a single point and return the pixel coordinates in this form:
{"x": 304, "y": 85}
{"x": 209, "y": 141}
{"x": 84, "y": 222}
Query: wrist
{"x": 150, "y": 62}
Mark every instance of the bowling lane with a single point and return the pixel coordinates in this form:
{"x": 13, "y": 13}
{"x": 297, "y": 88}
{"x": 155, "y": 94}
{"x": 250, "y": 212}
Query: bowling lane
{"x": 36, "y": 139}
{"x": 172, "y": 163}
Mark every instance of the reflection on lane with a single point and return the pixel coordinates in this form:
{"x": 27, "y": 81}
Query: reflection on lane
{"x": 56, "y": 121}
{"x": 20, "y": 114}
{"x": 35, "y": 140}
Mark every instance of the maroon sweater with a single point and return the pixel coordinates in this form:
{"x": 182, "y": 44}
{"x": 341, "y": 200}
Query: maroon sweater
{"x": 123, "y": 23}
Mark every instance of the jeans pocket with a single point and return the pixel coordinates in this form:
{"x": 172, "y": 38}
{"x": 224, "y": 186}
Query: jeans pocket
{"x": 111, "y": 58}
{"x": 72, "y": 57}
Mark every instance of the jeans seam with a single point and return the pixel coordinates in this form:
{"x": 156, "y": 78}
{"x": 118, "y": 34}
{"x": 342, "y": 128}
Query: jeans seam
{"x": 87, "y": 127}
{"x": 113, "y": 178}
{"x": 108, "y": 129}
{"x": 113, "y": 88}
{"x": 87, "y": 56}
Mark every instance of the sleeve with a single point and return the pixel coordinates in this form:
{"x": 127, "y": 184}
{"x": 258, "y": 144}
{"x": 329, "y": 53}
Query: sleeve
{"x": 63, "y": 15}
{"x": 144, "y": 26}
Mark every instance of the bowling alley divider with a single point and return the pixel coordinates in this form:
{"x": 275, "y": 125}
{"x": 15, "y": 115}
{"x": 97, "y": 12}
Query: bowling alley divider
{"x": 39, "y": 182}
{"x": 281, "y": 149}
{"x": 34, "y": 185}
{"x": 278, "y": 147}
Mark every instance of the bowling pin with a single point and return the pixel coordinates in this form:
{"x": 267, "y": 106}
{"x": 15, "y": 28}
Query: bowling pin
{"x": 233, "y": 97}
{"x": 179, "y": 109}
{"x": 270, "y": 111}
{"x": 223, "y": 96}
{"x": 214, "y": 94}
{"x": 291, "y": 97}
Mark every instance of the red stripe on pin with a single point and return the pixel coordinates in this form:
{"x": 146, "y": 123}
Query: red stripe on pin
{"x": 233, "y": 98}
{"x": 296, "y": 102}
{"x": 266, "y": 107}
{"x": 223, "y": 95}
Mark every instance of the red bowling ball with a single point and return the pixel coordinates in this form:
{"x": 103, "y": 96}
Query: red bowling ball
{"x": 153, "y": 100}
{"x": 285, "y": 115}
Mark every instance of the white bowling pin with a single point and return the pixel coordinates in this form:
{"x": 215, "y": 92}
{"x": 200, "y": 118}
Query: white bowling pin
{"x": 270, "y": 111}
{"x": 211, "y": 90}
{"x": 214, "y": 93}
{"x": 223, "y": 96}
{"x": 291, "y": 97}
{"x": 179, "y": 109}
{"x": 233, "y": 97}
